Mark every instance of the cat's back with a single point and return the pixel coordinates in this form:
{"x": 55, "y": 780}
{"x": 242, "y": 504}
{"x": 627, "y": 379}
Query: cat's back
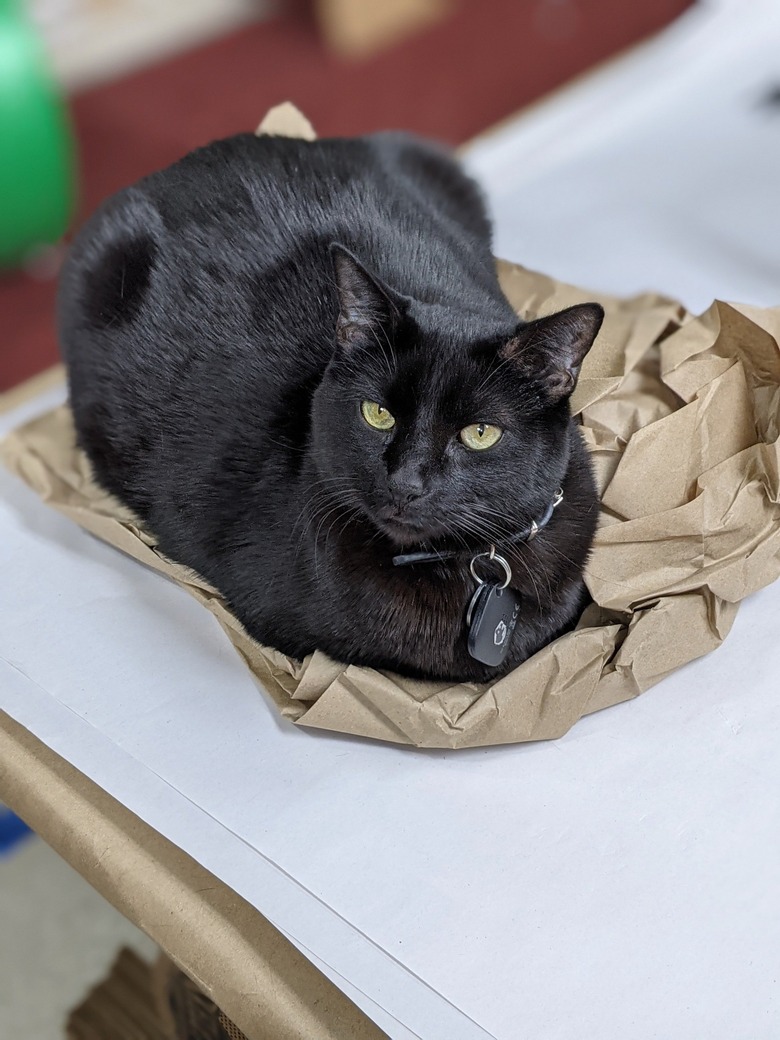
{"x": 331, "y": 185}
{"x": 211, "y": 227}
{"x": 223, "y": 258}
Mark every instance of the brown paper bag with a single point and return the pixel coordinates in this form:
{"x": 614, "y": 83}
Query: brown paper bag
{"x": 681, "y": 415}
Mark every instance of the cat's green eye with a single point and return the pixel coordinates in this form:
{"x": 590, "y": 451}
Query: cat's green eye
{"x": 480, "y": 435}
{"x": 377, "y": 416}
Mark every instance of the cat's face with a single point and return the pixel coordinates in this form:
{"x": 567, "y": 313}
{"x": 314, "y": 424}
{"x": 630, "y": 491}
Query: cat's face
{"x": 434, "y": 436}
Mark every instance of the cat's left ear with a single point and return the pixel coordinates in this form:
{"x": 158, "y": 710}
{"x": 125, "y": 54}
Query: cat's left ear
{"x": 551, "y": 350}
{"x": 366, "y": 305}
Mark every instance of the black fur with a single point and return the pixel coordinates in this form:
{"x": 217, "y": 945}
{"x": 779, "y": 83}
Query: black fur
{"x": 223, "y": 320}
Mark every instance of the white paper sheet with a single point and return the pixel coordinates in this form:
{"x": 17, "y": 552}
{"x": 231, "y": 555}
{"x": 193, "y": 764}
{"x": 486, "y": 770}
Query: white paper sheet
{"x": 660, "y": 173}
{"x": 619, "y": 883}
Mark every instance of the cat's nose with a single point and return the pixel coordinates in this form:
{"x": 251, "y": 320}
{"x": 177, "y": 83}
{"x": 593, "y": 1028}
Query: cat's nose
{"x": 405, "y": 486}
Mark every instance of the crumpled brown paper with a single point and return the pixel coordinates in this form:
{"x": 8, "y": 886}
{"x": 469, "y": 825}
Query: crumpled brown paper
{"x": 682, "y": 417}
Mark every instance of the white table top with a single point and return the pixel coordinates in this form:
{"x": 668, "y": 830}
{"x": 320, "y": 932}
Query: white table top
{"x": 618, "y": 883}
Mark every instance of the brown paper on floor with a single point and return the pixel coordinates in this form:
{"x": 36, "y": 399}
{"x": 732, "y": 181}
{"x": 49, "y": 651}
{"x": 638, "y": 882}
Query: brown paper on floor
{"x": 682, "y": 417}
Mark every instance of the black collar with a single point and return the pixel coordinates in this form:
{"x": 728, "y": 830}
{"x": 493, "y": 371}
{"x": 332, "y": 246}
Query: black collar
{"x": 526, "y": 535}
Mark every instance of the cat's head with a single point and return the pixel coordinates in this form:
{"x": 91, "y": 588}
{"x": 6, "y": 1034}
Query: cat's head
{"x": 435, "y": 434}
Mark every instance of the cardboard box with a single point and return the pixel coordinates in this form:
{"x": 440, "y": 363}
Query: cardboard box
{"x": 139, "y": 1001}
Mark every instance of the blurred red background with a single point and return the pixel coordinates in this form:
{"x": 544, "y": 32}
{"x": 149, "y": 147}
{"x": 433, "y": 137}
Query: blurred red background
{"x": 452, "y": 80}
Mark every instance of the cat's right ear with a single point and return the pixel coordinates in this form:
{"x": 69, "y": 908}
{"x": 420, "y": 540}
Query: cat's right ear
{"x": 366, "y": 306}
{"x": 550, "y": 350}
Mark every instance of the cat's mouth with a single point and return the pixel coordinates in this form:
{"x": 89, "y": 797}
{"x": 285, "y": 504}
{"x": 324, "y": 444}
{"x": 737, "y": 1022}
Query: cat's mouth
{"x": 404, "y": 529}
{"x": 403, "y": 532}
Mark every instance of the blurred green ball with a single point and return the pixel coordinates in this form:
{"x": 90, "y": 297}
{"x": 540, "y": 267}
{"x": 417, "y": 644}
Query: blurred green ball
{"x": 36, "y": 145}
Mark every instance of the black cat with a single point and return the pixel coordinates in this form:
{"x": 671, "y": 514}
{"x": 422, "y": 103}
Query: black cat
{"x": 294, "y": 362}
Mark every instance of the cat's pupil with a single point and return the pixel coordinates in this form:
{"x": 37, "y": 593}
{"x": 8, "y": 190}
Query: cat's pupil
{"x": 481, "y": 430}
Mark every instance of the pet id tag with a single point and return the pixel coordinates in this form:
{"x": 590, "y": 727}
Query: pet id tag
{"x": 492, "y": 615}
